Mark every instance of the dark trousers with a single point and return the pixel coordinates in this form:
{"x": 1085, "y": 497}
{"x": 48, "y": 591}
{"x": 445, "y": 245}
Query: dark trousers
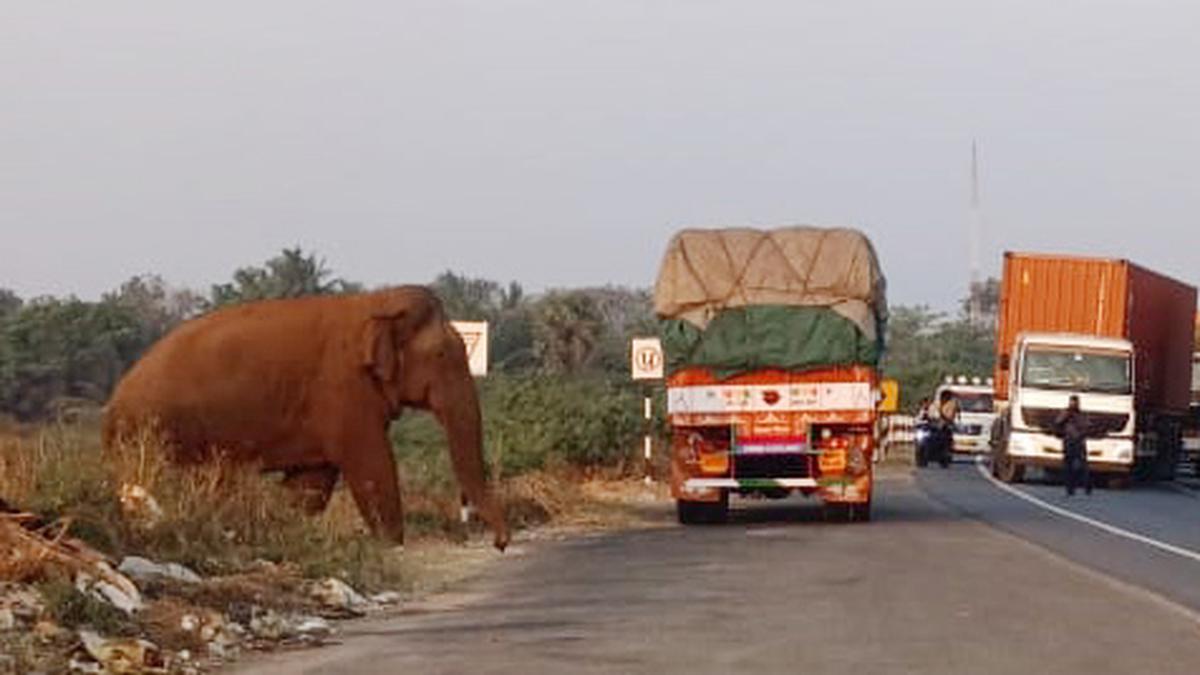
{"x": 1078, "y": 472}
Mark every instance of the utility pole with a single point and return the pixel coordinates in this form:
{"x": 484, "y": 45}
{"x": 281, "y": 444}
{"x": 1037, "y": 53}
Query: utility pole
{"x": 974, "y": 310}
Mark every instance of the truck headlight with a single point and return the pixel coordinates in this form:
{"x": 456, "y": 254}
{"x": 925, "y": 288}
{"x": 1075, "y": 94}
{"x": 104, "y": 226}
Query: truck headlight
{"x": 1020, "y": 445}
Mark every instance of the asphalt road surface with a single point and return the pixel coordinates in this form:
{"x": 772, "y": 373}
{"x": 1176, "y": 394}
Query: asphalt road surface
{"x": 954, "y": 575}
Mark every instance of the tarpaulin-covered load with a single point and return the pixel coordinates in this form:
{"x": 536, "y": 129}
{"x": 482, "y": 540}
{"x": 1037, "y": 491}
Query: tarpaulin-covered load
{"x": 795, "y": 298}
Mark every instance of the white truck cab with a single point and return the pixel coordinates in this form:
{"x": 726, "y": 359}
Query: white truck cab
{"x": 1049, "y": 368}
{"x": 976, "y": 412}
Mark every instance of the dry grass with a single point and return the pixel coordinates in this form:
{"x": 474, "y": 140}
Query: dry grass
{"x": 223, "y": 520}
{"x": 218, "y": 519}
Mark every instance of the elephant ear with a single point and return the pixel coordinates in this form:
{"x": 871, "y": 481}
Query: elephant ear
{"x": 379, "y": 350}
{"x": 395, "y": 318}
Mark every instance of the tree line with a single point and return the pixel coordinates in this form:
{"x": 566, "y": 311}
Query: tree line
{"x": 60, "y": 353}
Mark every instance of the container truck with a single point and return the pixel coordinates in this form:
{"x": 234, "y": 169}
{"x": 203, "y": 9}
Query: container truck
{"x": 1116, "y": 335}
{"x": 1190, "y": 447}
{"x": 772, "y": 340}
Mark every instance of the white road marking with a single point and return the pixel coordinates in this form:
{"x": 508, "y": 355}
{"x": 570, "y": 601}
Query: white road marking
{"x": 1194, "y": 556}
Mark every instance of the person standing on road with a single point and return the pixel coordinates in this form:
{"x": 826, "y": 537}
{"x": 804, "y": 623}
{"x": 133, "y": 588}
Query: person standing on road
{"x": 1071, "y": 427}
{"x": 945, "y": 416}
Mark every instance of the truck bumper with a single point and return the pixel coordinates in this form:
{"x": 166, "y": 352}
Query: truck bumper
{"x": 1104, "y": 454}
{"x": 971, "y": 444}
{"x": 835, "y": 489}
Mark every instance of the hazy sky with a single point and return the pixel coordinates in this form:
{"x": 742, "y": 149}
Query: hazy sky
{"x": 561, "y": 142}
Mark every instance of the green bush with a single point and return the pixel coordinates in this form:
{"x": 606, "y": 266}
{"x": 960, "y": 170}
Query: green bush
{"x": 533, "y": 422}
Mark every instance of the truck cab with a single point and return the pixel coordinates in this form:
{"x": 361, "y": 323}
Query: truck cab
{"x": 1049, "y": 368}
{"x": 976, "y": 413}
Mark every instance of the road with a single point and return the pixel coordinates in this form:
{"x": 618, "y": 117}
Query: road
{"x": 954, "y": 575}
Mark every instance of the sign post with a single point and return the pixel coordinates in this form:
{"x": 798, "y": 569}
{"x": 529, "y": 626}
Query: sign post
{"x": 646, "y": 357}
{"x": 475, "y": 336}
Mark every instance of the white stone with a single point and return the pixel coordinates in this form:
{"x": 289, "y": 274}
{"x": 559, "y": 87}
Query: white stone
{"x": 148, "y": 570}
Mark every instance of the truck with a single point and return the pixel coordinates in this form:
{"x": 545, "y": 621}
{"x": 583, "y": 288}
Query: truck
{"x": 1116, "y": 335}
{"x": 1190, "y": 447}
{"x": 976, "y": 412}
{"x": 771, "y": 342}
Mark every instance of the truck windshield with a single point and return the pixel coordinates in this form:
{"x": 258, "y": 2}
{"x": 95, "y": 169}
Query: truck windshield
{"x": 1075, "y": 370}
{"x": 974, "y": 402}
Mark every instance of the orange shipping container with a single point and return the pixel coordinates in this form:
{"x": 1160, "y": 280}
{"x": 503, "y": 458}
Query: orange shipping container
{"x": 1106, "y": 298}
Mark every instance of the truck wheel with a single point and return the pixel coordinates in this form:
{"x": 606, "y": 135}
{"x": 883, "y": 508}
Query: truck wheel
{"x": 861, "y": 512}
{"x": 1118, "y": 481}
{"x": 838, "y": 512}
{"x": 1009, "y": 470}
{"x": 703, "y": 513}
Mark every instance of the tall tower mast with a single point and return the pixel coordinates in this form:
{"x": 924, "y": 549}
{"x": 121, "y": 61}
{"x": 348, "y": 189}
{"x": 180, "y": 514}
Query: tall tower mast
{"x": 976, "y": 216}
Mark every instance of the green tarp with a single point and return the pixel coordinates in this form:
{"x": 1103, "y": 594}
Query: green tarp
{"x": 768, "y": 336}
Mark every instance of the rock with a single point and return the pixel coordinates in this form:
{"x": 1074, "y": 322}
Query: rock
{"x": 123, "y": 655}
{"x": 148, "y": 570}
{"x": 8, "y": 621}
{"x": 8, "y": 663}
{"x": 337, "y": 595}
{"x": 125, "y": 597}
{"x": 387, "y": 598}
{"x": 313, "y": 629}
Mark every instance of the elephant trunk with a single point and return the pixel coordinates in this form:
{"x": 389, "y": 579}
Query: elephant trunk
{"x": 458, "y": 409}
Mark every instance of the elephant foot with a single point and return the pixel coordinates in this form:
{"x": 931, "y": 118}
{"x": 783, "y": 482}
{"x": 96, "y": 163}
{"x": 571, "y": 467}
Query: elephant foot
{"x": 500, "y": 540}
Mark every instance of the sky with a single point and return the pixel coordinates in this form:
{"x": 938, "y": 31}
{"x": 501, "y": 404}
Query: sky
{"x": 560, "y": 143}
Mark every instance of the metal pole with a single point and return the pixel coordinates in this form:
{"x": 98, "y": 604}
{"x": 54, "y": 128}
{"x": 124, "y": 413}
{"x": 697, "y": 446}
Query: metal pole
{"x": 647, "y": 441}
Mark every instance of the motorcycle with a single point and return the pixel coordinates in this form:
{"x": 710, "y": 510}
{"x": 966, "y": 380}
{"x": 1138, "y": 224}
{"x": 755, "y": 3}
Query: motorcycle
{"x": 934, "y": 443}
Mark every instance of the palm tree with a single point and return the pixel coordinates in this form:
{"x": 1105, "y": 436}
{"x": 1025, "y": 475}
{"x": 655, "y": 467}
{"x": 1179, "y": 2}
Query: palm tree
{"x": 567, "y": 329}
{"x": 291, "y": 274}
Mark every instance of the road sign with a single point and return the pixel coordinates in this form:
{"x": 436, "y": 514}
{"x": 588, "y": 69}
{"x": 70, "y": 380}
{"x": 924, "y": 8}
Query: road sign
{"x": 647, "y": 359}
{"x": 475, "y": 337}
{"x": 890, "y": 392}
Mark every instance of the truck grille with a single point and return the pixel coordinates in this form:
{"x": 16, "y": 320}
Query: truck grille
{"x": 1097, "y": 423}
{"x": 790, "y": 465}
{"x": 968, "y": 429}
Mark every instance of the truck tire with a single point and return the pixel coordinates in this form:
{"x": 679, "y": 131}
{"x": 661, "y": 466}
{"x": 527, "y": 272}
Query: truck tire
{"x": 838, "y": 512}
{"x": 1007, "y": 469}
{"x": 861, "y": 513}
{"x": 703, "y": 513}
{"x": 1118, "y": 481}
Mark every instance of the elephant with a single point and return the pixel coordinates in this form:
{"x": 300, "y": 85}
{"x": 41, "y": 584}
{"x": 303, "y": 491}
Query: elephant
{"x": 307, "y": 387}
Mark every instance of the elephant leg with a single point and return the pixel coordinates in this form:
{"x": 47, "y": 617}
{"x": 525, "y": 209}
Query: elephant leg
{"x": 312, "y": 486}
{"x": 370, "y": 471}
{"x": 469, "y": 470}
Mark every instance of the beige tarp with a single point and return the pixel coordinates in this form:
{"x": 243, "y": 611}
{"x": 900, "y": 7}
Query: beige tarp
{"x": 705, "y": 271}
